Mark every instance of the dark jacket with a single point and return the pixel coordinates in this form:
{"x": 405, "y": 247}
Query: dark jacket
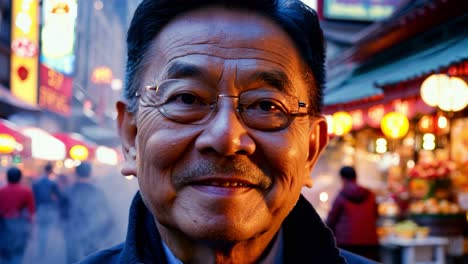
{"x": 306, "y": 240}
{"x": 353, "y": 216}
{"x": 46, "y": 192}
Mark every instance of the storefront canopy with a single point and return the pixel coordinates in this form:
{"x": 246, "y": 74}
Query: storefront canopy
{"x": 44, "y": 146}
{"x": 71, "y": 140}
{"x": 22, "y": 142}
{"x": 418, "y": 64}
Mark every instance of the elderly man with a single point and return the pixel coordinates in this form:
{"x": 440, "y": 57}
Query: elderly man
{"x": 221, "y": 125}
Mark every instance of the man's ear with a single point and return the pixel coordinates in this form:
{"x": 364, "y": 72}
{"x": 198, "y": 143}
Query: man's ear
{"x": 127, "y": 131}
{"x": 318, "y": 140}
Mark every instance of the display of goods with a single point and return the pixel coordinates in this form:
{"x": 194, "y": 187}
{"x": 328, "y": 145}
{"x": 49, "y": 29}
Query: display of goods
{"x": 409, "y": 229}
{"x": 389, "y": 209}
{"x": 437, "y": 169}
{"x": 434, "y": 206}
{"x": 441, "y": 225}
{"x": 420, "y": 188}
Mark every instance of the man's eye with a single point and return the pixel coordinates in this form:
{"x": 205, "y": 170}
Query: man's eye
{"x": 186, "y": 98}
{"x": 266, "y": 106}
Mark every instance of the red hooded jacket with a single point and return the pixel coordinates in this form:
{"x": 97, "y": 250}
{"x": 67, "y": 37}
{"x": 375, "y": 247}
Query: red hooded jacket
{"x": 353, "y": 217}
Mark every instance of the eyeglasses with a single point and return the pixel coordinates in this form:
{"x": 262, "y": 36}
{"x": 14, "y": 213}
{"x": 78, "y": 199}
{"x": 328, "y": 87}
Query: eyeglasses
{"x": 191, "y": 102}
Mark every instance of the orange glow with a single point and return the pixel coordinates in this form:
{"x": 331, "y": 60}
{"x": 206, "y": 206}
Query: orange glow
{"x": 358, "y": 119}
{"x": 7, "y": 144}
{"x": 342, "y": 123}
{"x": 426, "y": 124}
{"x": 102, "y": 75}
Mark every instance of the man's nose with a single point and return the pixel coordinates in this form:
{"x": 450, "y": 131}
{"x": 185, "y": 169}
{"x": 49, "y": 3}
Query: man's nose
{"x": 226, "y": 133}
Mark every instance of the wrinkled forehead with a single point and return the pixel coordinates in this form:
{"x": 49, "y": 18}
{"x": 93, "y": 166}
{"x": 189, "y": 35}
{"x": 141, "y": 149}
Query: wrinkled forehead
{"x": 219, "y": 34}
{"x": 222, "y": 26}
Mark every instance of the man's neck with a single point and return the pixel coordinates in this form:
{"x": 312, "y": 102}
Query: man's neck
{"x": 251, "y": 251}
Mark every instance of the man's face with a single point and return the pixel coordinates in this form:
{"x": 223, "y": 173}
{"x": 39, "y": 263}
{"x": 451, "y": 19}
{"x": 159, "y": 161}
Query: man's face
{"x": 222, "y": 180}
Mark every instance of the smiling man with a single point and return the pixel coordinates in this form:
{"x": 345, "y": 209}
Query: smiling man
{"x": 221, "y": 125}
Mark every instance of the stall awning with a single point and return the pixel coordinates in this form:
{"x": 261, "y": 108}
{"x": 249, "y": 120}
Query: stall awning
{"x": 21, "y": 143}
{"x": 44, "y": 146}
{"x": 74, "y": 144}
{"x": 418, "y": 64}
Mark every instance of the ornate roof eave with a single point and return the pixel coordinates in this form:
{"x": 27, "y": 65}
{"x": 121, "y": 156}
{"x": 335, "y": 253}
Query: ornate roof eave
{"x": 411, "y": 19}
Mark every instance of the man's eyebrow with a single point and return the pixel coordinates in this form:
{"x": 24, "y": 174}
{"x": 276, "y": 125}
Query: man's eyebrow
{"x": 182, "y": 70}
{"x": 277, "y": 79}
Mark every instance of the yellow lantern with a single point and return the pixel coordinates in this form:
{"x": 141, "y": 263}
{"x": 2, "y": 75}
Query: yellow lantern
{"x": 394, "y": 125}
{"x": 342, "y": 123}
{"x": 7, "y": 144}
{"x": 79, "y": 152}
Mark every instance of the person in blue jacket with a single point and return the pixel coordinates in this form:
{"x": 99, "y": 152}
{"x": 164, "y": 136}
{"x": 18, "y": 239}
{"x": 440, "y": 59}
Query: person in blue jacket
{"x": 221, "y": 124}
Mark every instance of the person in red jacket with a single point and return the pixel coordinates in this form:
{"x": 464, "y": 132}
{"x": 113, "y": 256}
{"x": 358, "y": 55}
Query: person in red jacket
{"x": 353, "y": 217}
{"x": 17, "y": 209}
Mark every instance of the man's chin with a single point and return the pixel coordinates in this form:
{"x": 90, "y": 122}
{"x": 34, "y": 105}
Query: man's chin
{"x": 221, "y": 235}
{"x": 218, "y": 230}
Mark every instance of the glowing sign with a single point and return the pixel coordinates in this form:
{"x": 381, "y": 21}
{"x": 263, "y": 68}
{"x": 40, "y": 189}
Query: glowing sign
{"x": 59, "y": 22}
{"x": 102, "y": 75}
{"x": 24, "y": 46}
{"x": 362, "y": 10}
{"x": 55, "y": 91}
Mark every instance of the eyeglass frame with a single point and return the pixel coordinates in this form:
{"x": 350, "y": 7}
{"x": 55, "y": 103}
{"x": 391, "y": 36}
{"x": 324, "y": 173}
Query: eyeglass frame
{"x": 290, "y": 115}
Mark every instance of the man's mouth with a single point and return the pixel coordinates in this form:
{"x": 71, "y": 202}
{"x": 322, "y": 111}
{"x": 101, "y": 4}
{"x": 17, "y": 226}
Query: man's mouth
{"x": 232, "y": 183}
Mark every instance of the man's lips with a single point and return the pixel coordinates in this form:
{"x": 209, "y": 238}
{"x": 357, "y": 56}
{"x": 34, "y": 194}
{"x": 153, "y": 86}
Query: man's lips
{"x": 222, "y": 187}
{"x": 223, "y": 182}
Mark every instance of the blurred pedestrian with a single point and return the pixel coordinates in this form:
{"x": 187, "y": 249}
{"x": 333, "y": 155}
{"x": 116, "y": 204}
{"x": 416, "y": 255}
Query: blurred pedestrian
{"x": 353, "y": 217}
{"x": 17, "y": 210}
{"x": 63, "y": 183}
{"x": 89, "y": 223}
{"x": 48, "y": 196}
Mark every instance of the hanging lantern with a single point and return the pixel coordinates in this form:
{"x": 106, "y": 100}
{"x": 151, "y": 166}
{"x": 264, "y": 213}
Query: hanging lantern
{"x": 455, "y": 96}
{"x": 79, "y": 152}
{"x": 426, "y": 124}
{"x": 394, "y": 125}
{"x": 7, "y": 144}
{"x": 342, "y": 123}
{"x": 447, "y": 93}
{"x": 430, "y": 88}
{"x": 441, "y": 124}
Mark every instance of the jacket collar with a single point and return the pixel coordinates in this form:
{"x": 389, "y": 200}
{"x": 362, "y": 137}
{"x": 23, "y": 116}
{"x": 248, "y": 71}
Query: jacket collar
{"x": 306, "y": 238}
